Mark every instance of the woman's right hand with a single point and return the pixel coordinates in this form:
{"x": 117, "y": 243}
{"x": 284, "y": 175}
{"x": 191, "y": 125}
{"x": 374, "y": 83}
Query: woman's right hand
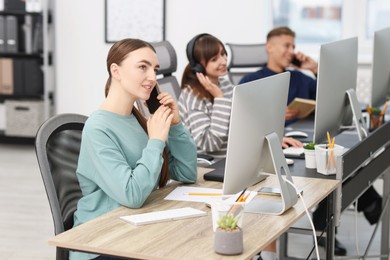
{"x": 212, "y": 88}
{"x": 159, "y": 123}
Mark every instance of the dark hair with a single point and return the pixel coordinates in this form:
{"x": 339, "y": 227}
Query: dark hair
{"x": 278, "y": 31}
{"x": 205, "y": 48}
{"x": 117, "y": 53}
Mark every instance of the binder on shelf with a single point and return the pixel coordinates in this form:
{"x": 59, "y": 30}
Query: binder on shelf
{"x": 2, "y": 34}
{"x": 27, "y": 30}
{"x": 1, "y": 5}
{"x": 11, "y": 32}
{"x": 7, "y": 79}
{"x": 33, "y": 75}
{"x": 37, "y": 40}
{"x": 18, "y": 77}
{"x": 14, "y": 5}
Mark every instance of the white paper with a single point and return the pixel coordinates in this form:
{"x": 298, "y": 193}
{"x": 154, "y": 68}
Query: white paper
{"x": 181, "y": 193}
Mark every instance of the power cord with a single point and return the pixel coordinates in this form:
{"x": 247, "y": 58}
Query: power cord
{"x": 356, "y": 228}
{"x": 308, "y": 216}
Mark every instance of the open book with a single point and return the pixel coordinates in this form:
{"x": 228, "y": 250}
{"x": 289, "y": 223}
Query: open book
{"x": 305, "y": 106}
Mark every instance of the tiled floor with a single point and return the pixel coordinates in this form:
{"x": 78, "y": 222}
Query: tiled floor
{"x": 26, "y": 224}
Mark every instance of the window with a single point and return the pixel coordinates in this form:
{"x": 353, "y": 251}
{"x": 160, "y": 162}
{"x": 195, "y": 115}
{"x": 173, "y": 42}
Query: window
{"x": 314, "y": 21}
{"x": 378, "y": 13}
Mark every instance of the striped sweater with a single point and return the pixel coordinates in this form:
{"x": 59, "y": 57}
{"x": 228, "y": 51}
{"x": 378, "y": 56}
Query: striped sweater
{"x": 208, "y": 122}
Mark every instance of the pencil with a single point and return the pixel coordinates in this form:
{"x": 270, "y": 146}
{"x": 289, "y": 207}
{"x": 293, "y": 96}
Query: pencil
{"x": 202, "y": 194}
{"x": 382, "y": 115}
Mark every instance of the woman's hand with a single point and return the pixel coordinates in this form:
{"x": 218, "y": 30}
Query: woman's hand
{"x": 159, "y": 123}
{"x": 288, "y": 141}
{"x": 167, "y": 100}
{"x": 212, "y": 88}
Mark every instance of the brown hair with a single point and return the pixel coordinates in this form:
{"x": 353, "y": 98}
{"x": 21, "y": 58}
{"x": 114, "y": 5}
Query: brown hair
{"x": 205, "y": 48}
{"x": 117, "y": 53}
{"x": 278, "y": 31}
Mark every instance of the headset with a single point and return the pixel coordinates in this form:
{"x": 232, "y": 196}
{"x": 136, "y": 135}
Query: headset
{"x": 195, "y": 65}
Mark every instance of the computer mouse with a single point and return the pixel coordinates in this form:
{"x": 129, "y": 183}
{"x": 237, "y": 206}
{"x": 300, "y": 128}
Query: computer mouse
{"x": 289, "y": 161}
{"x": 296, "y": 134}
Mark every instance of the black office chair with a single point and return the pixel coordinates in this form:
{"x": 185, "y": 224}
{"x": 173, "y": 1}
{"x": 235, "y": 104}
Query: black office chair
{"x": 167, "y": 81}
{"x": 244, "y": 59}
{"x": 57, "y": 147}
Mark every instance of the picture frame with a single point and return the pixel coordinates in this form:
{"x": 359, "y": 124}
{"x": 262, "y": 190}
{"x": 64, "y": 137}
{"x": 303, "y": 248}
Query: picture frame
{"x": 142, "y": 19}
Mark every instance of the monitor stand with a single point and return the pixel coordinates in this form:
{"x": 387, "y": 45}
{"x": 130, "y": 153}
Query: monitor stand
{"x": 357, "y": 114}
{"x": 288, "y": 193}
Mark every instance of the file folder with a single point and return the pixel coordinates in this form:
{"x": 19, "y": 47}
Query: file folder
{"x": 11, "y": 28}
{"x": 2, "y": 34}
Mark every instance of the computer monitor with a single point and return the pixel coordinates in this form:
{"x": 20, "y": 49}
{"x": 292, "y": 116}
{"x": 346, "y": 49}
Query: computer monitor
{"x": 336, "y": 84}
{"x": 381, "y": 68}
{"x": 254, "y": 141}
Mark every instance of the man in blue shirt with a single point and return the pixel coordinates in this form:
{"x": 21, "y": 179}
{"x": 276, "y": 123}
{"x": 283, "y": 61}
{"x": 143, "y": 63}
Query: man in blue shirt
{"x": 281, "y": 57}
{"x": 280, "y": 50}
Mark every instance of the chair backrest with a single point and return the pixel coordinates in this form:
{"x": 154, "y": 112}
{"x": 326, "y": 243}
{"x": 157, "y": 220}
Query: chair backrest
{"x": 57, "y": 147}
{"x": 245, "y": 58}
{"x": 168, "y": 64}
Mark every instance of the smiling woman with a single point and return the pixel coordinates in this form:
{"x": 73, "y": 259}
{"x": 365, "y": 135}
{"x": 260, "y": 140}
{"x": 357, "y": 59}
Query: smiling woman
{"x": 123, "y": 156}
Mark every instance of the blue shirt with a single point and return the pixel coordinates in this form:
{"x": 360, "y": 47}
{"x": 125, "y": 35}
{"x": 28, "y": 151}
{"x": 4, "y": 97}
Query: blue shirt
{"x": 119, "y": 165}
{"x": 301, "y": 85}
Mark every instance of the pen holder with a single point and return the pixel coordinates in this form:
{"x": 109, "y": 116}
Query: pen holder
{"x": 326, "y": 158}
{"x": 227, "y": 225}
{"x": 376, "y": 121}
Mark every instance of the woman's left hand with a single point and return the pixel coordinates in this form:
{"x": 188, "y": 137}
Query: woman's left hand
{"x": 167, "y": 100}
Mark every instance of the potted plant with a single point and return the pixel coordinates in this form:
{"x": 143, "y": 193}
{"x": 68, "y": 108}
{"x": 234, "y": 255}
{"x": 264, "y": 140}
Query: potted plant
{"x": 310, "y": 155}
{"x": 228, "y": 238}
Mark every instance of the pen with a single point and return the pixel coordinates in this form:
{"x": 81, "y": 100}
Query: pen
{"x": 235, "y": 208}
{"x": 203, "y": 194}
{"x": 239, "y": 199}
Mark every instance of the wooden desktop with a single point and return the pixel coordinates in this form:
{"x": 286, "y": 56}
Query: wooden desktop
{"x": 187, "y": 238}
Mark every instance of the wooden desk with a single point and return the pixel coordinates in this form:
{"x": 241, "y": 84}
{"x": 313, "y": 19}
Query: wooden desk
{"x": 186, "y": 239}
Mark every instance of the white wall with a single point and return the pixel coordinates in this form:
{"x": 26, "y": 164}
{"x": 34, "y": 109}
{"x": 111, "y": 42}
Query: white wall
{"x": 80, "y": 53}
{"x": 80, "y": 48}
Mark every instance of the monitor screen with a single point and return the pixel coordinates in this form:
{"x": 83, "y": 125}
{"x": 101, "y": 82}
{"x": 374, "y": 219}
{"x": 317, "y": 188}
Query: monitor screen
{"x": 258, "y": 109}
{"x": 337, "y": 73}
{"x": 381, "y": 68}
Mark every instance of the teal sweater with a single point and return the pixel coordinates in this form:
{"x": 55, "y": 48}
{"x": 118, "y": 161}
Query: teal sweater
{"x": 120, "y": 165}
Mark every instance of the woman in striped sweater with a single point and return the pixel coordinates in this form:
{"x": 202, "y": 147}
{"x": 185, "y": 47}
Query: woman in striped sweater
{"x": 206, "y": 96}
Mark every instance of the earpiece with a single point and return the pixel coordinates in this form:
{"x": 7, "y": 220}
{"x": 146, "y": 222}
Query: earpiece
{"x": 195, "y": 65}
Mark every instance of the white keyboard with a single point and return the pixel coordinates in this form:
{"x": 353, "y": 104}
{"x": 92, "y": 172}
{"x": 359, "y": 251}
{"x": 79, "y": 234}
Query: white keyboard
{"x": 293, "y": 151}
{"x": 164, "y": 215}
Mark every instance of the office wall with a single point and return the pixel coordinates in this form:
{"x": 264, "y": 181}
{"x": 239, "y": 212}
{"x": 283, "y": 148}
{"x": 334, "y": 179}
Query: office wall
{"x": 80, "y": 49}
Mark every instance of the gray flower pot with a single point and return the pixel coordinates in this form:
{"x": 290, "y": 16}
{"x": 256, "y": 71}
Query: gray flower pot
{"x": 228, "y": 242}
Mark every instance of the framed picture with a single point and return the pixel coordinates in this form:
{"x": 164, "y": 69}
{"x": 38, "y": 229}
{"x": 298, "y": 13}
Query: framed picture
{"x": 142, "y": 19}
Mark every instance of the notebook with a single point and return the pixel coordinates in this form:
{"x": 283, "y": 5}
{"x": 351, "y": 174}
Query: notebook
{"x": 163, "y": 215}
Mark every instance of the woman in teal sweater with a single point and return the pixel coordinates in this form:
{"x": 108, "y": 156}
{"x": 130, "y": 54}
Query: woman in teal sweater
{"x": 124, "y": 157}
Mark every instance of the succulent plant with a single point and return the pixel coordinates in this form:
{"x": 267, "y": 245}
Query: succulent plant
{"x": 228, "y": 222}
{"x": 309, "y": 146}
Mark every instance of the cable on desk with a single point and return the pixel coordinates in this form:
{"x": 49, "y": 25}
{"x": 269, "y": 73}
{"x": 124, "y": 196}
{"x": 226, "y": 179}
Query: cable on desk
{"x": 309, "y": 217}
